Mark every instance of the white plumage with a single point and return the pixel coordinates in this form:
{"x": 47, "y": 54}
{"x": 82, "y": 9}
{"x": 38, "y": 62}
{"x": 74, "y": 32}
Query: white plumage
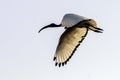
{"x": 77, "y": 28}
{"x": 71, "y": 19}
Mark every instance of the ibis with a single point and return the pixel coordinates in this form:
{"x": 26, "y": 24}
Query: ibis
{"x": 76, "y": 28}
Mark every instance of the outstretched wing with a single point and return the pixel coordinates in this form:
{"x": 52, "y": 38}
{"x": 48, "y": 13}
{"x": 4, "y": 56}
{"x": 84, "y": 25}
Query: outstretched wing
{"x": 68, "y": 43}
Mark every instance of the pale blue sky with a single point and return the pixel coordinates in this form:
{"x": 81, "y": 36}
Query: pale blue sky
{"x": 27, "y": 55}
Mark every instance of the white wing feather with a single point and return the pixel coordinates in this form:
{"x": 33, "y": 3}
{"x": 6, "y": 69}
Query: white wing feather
{"x": 70, "y": 20}
{"x": 68, "y": 43}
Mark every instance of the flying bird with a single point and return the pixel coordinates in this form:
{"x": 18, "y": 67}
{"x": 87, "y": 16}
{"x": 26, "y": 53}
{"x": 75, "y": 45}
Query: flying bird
{"x": 76, "y": 29}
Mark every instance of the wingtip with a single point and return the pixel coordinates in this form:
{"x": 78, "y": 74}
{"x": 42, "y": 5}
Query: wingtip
{"x": 62, "y": 64}
{"x": 56, "y": 64}
{"x": 59, "y": 64}
{"x": 54, "y": 58}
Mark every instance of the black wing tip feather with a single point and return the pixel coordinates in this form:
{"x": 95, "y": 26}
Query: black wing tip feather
{"x": 54, "y": 58}
{"x": 64, "y": 63}
{"x": 61, "y": 64}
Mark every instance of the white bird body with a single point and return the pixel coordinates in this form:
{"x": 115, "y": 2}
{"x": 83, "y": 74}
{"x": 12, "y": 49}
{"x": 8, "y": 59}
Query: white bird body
{"x": 77, "y": 28}
{"x": 70, "y": 20}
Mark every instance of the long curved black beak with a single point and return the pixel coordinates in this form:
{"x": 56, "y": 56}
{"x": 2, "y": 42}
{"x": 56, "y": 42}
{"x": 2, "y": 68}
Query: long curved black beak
{"x": 49, "y": 26}
{"x": 43, "y": 28}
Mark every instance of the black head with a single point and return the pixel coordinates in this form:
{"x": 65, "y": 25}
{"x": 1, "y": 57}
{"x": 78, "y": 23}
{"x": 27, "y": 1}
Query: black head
{"x": 52, "y": 25}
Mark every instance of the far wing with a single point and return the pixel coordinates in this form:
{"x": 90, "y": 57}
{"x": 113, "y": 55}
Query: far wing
{"x": 70, "y": 20}
{"x": 68, "y": 43}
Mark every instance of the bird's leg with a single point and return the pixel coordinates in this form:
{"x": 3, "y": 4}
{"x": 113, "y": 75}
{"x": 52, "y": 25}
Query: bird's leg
{"x": 95, "y": 29}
